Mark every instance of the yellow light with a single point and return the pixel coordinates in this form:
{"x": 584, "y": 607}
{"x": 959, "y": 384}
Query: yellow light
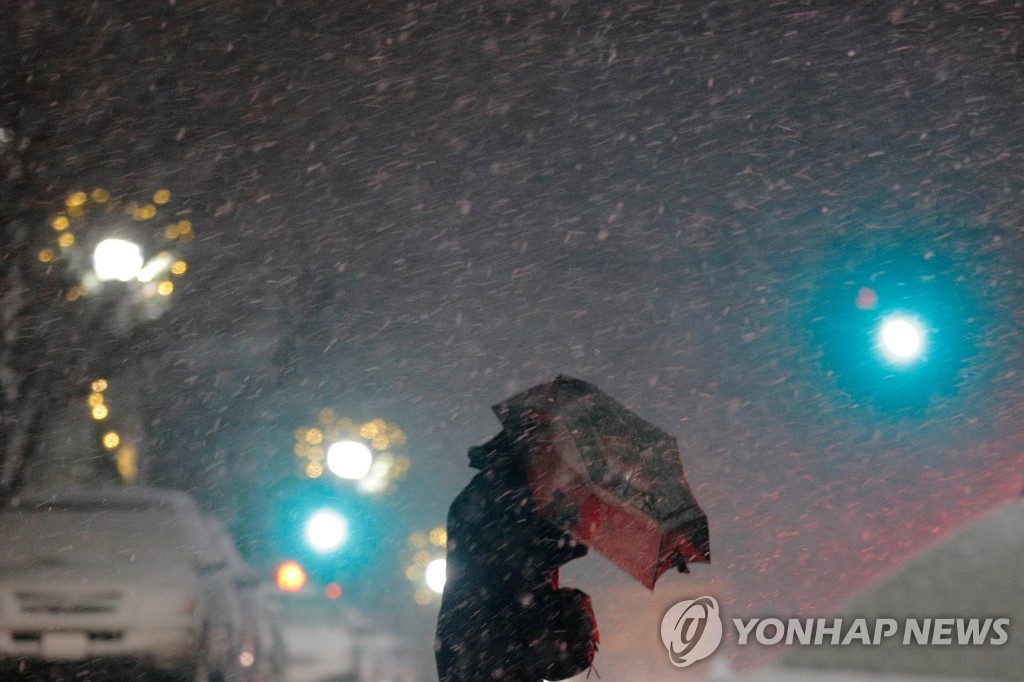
{"x": 100, "y": 195}
{"x": 165, "y": 288}
{"x": 421, "y": 558}
{"x": 315, "y": 453}
{"x": 184, "y": 227}
{"x": 179, "y": 267}
{"x": 439, "y": 537}
{"x": 372, "y": 429}
{"x": 314, "y": 436}
{"x": 77, "y": 199}
{"x": 145, "y": 212}
{"x": 99, "y": 385}
{"x": 418, "y": 540}
{"x": 75, "y": 211}
{"x": 314, "y": 470}
{"x": 111, "y": 440}
{"x": 291, "y": 577}
{"x": 412, "y": 574}
{"x": 423, "y": 597}
{"x": 95, "y": 399}
{"x": 396, "y": 435}
{"x": 171, "y": 231}
{"x": 60, "y": 222}
{"x": 66, "y": 240}
{"x": 99, "y": 413}
{"x": 127, "y": 463}
{"x": 380, "y": 442}
{"x": 326, "y": 416}
{"x": 162, "y": 196}
{"x": 74, "y": 293}
{"x": 301, "y": 450}
{"x": 46, "y": 255}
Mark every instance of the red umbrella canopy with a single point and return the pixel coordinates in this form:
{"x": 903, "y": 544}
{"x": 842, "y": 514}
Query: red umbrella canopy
{"x": 608, "y": 477}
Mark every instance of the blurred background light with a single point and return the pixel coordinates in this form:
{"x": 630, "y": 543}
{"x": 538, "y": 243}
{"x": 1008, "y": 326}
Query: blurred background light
{"x": 117, "y": 259}
{"x": 326, "y": 530}
{"x": 901, "y": 338}
{"x": 349, "y": 459}
{"x": 435, "y": 575}
{"x": 291, "y": 577}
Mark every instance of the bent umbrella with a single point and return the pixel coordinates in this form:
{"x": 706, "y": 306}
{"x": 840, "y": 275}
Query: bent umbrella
{"x": 608, "y": 477}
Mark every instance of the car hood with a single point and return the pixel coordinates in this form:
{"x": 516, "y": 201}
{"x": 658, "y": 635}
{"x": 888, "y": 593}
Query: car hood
{"x": 46, "y": 570}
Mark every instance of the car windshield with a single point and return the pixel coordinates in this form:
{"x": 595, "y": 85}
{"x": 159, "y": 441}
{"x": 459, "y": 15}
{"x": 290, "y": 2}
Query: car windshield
{"x": 91, "y": 534}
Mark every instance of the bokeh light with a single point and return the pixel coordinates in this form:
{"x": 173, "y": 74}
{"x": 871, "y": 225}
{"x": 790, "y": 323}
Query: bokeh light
{"x": 901, "y": 338}
{"x": 111, "y": 440}
{"x": 291, "y": 577}
{"x": 349, "y": 459}
{"x": 326, "y": 531}
{"x": 117, "y": 259}
{"x": 435, "y": 575}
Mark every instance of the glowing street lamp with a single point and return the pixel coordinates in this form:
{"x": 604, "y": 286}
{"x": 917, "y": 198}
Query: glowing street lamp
{"x": 349, "y": 459}
{"x": 427, "y": 568}
{"x": 361, "y": 453}
{"x": 435, "y": 575}
{"x": 117, "y": 259}
{"x": 90, "y": 242}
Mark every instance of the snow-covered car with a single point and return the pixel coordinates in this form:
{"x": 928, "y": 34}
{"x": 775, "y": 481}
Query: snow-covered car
{"x": 107, "y": 575}
{"x": 247, "y": 638}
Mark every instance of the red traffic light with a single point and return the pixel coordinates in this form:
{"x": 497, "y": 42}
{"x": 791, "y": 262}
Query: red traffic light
{"x": 291, "y": 577}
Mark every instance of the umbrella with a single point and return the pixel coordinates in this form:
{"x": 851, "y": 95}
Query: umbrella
{"x": 611, "y": 479}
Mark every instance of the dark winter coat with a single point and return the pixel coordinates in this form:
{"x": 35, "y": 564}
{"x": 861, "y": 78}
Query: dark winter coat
{"x": 503, "y": 616}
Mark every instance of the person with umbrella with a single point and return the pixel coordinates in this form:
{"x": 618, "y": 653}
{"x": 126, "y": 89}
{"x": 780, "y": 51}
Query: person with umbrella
{"x": 503, "y": 615}
{"x": 572, "y": 468}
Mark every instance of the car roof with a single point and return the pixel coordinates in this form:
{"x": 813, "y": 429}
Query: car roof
{"x": 104, "y": 496}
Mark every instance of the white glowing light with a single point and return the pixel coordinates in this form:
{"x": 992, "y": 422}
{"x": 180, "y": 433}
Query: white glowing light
{"x": 349, "y": 459}
{"x": 435, "y": 576}
{"x": 326, "y": 530}
{"x": 157, "y": 265}
{"x": 117, "y": 259}
{"x": 902, "y": 338}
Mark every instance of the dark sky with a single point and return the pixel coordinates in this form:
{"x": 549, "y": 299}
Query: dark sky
{"x": 412, "y": 210}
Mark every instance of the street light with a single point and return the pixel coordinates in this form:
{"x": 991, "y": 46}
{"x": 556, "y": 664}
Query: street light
{"x": 427, "y": 567}
{"x": 117, "y": 259}
{"x": 349, "y": 459}
{"x": 435, "y": 575}
{"x": 326, "y": 531}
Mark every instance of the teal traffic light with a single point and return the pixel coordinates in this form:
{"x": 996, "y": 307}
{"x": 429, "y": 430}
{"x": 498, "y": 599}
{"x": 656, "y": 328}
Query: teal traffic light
{"x": 896, "y": 330}
{"x": 901, "y": 339}
{"x": 326, "y": 531}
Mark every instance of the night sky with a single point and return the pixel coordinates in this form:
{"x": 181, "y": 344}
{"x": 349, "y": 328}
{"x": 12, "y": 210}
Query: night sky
{"x": 413, "y": 210}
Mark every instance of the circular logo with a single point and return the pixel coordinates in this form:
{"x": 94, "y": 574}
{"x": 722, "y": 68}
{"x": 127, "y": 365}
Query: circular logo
{"x": 691, "y": 630}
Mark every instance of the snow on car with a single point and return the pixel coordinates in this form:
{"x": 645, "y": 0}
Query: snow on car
{"x": 114, "y": 574}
